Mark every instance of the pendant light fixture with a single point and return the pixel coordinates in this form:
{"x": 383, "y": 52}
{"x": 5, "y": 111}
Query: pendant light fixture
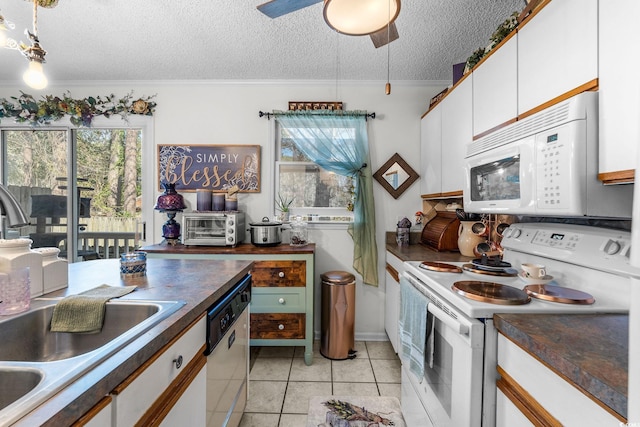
{"x": 5, "y": 26}
{"x": 34, "y": 76}
{"x": 360, "y": 17}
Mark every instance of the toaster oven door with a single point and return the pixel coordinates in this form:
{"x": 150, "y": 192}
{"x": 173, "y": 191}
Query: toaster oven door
{"x": 201, "y": 230}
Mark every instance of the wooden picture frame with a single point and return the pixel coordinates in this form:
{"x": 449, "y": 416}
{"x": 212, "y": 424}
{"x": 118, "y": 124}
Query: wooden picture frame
{"x": 396, "y": 176}
{"x": 213, "y": 167}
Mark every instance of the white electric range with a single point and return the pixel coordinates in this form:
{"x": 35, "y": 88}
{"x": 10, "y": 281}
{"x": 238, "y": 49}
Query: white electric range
{"x": 460, "y": 390}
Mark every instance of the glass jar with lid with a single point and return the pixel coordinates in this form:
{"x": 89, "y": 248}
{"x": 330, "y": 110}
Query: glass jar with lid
{"x": 299, "y": 232}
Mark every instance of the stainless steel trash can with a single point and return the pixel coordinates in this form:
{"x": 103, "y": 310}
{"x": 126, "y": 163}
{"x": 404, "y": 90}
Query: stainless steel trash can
{"x": 338, "y": 315}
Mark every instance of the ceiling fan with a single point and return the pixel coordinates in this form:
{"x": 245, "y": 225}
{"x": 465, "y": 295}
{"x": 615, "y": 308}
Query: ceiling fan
{"x": 335, "y": 13}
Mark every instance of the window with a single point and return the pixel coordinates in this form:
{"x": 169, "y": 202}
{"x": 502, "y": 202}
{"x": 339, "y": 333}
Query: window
{"x": 318, "y": 195}
{"x": 105, "y": 208}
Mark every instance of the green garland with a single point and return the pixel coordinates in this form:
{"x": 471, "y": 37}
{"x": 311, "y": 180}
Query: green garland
{"x": 80, "y": 111}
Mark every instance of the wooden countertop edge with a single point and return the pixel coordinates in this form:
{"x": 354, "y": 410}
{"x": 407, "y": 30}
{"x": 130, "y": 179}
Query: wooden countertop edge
{"x": 244, "y": 248}
{"x": 610, "y": 400}
{"x": 73, "y": 401}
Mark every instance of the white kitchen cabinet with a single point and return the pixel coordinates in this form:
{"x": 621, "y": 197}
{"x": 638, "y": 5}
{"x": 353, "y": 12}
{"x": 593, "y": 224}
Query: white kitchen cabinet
{"x": 619, "y": 98}
{"x": 394, "y": 269}
{"x": 557, "y": 51}
{"x": 98, "y": 416}
{"x": 495, "y": 88}
{"x": 457, "y": 133}
{"x": 431, "y": 151}
{"x": 187, "y": 410}
{"x": 150, "y": 388}
{"x": 529, "y": 387}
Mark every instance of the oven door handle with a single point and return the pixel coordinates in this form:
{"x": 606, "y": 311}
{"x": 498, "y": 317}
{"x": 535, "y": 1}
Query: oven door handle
{"x": 447, "y": 320}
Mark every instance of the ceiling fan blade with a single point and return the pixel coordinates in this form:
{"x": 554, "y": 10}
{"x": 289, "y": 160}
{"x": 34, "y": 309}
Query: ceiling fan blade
{"x": 275, "y": 8}
{"x": 380, "y": 38}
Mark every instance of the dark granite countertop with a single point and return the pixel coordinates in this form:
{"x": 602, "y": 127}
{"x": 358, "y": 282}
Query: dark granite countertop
{"x": 591, "y": 351}
{"x": 420, "y": 252}
{"x": 197, "y": 282}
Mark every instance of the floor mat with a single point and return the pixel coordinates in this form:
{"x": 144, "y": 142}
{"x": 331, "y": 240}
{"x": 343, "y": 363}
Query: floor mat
{"x": 354, "y": 411}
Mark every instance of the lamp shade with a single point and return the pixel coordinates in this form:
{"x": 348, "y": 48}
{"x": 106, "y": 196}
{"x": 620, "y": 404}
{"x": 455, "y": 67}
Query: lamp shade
{"x": 360, "y": 17}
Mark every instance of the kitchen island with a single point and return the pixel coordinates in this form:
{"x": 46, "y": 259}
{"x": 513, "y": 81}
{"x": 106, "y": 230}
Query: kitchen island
{"x": 199, "y": 283}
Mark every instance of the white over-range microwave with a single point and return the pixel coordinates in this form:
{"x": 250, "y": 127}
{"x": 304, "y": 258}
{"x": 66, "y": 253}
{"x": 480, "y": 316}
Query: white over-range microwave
{"x": 544, "y": 165}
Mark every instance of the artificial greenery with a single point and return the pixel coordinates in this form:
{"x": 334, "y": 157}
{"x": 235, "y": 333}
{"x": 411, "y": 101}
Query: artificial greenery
{"x": 505, "y": 29}
{"x": 475, "y": 57}
{"x": 81, "y": 112}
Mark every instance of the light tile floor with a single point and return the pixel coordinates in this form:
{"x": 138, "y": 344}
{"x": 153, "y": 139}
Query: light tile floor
{"x": 281, "y": 384}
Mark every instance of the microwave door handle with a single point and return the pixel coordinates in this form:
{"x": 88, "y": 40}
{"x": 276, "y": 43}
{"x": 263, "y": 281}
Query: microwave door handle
{"x": 447, "y": 320}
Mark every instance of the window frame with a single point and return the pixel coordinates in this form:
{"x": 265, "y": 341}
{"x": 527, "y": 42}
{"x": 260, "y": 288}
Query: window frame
{"x": 144, "y": 123}
{"x": 311, "y": 214}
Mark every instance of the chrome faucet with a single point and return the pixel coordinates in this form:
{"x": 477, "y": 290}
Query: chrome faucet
{"x": 12, "y": 210}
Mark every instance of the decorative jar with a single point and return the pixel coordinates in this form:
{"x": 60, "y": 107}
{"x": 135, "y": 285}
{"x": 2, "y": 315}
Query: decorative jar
{"x": 299, "y": 232}
{"x": 16, "y": 254}
{"x": 55, "y": 271}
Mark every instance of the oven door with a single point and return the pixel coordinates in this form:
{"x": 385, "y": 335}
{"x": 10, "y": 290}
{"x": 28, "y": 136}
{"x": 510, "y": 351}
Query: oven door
{"x": 451, "y": 390}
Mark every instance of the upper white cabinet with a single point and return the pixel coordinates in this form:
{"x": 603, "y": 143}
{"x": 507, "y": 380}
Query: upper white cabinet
{"x": 495, "y": 88}
{"x": 558, "y": 51}
{"x": 457, "y": 133}
{"x": 431, "y": 151}
{"x": 619, "y": 96}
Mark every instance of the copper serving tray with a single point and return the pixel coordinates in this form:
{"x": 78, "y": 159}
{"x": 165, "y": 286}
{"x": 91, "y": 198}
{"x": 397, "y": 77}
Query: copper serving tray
{"x": 505, "y": 272}
{"x": 493, "y": 293}
{"x": 440, "y": 267}
{"x": 559, "y": 294}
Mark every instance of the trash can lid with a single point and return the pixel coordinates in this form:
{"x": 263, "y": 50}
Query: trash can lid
{"x": 338, "y": 277}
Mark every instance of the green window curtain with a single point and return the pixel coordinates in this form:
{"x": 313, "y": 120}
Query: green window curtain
{"x": 338, "y": 142}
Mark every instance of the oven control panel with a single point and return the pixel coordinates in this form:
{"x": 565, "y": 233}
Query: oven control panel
{"x": 578, "y": 244}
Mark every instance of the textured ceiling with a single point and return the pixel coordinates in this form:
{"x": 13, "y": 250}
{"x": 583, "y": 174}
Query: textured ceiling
{"x": 231, "y": 40}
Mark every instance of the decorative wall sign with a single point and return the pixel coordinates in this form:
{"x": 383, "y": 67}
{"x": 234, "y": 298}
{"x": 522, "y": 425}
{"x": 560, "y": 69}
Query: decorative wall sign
{"x": 308, "y": 105}
{"x": 396, "y": 175}
{"x": 213, "y": 167}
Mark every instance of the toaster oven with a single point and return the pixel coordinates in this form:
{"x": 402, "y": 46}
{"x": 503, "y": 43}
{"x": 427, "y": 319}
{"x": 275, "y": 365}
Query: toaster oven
{"x": 213, "y": 228}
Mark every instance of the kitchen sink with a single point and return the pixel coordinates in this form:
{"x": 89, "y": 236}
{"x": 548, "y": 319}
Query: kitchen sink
{"x": 27, "y": 338}
{"x": 36, "y": 363}
{"x": 15, "y": 383}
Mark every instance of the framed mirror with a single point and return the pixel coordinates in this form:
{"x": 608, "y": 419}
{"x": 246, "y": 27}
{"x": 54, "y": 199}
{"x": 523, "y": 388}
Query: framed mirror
{"x": 396, "y": 176}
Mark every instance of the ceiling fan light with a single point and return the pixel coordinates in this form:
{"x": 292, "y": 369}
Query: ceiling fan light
{"x": 360, "y": 17}
{"x": 34, "y": 76}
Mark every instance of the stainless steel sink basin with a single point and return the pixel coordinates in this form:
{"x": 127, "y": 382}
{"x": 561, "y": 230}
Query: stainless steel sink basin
{"x": 15, "y": 383}
{"x": 36, "y": 363}
{"x": 27, "y": 338}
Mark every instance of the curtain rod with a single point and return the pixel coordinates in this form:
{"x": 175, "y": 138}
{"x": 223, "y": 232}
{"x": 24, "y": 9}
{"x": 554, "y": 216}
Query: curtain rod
{"x": 364, "y": 114}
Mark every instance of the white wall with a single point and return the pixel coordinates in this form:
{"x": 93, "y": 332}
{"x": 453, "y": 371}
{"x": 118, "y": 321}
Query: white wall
{"x": 227, "y": 113}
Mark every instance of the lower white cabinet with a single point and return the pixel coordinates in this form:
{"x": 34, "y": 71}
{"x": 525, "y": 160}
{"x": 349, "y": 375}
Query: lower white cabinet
{"x": 392, "y": 299}
{"x": 98, "y": 416}
{"x": 169, "y": 384}
{"x": 529, "y": 390}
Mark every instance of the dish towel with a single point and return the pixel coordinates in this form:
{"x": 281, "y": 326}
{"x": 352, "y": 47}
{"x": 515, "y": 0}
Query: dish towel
{"x": 85, "y": 312}
{"x": 413, "y": 327}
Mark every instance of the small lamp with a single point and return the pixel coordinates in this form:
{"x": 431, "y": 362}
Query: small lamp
{"x": 171, "y": 203}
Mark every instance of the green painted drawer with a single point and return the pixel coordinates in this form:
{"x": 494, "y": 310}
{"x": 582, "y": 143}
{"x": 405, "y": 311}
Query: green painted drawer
{"x": 278, "y": 300}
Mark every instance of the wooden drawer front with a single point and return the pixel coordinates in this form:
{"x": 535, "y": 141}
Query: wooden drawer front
{"x": 278, "y": 300}
{"x": 277, "y": 326}
{"x": 279, "y": 273}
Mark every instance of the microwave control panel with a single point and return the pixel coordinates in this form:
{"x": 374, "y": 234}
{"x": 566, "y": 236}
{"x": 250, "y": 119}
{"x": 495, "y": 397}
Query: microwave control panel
{"x": 553, "y": 163}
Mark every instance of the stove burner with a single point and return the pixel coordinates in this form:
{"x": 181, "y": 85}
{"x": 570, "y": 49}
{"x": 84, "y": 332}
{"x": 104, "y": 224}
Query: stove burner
{"x": 493, "y": 293}
{"x": 440, "y": 267}
{"x": 503, "y": 272}
{"x": 559, "y": 294}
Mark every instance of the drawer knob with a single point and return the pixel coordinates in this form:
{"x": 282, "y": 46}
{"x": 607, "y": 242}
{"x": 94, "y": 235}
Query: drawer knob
{"x": 281, "y": 300}
{"x": 281, "y": 327}
{"x": 281, "y": 274}
{"x": 178, "y": 362}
